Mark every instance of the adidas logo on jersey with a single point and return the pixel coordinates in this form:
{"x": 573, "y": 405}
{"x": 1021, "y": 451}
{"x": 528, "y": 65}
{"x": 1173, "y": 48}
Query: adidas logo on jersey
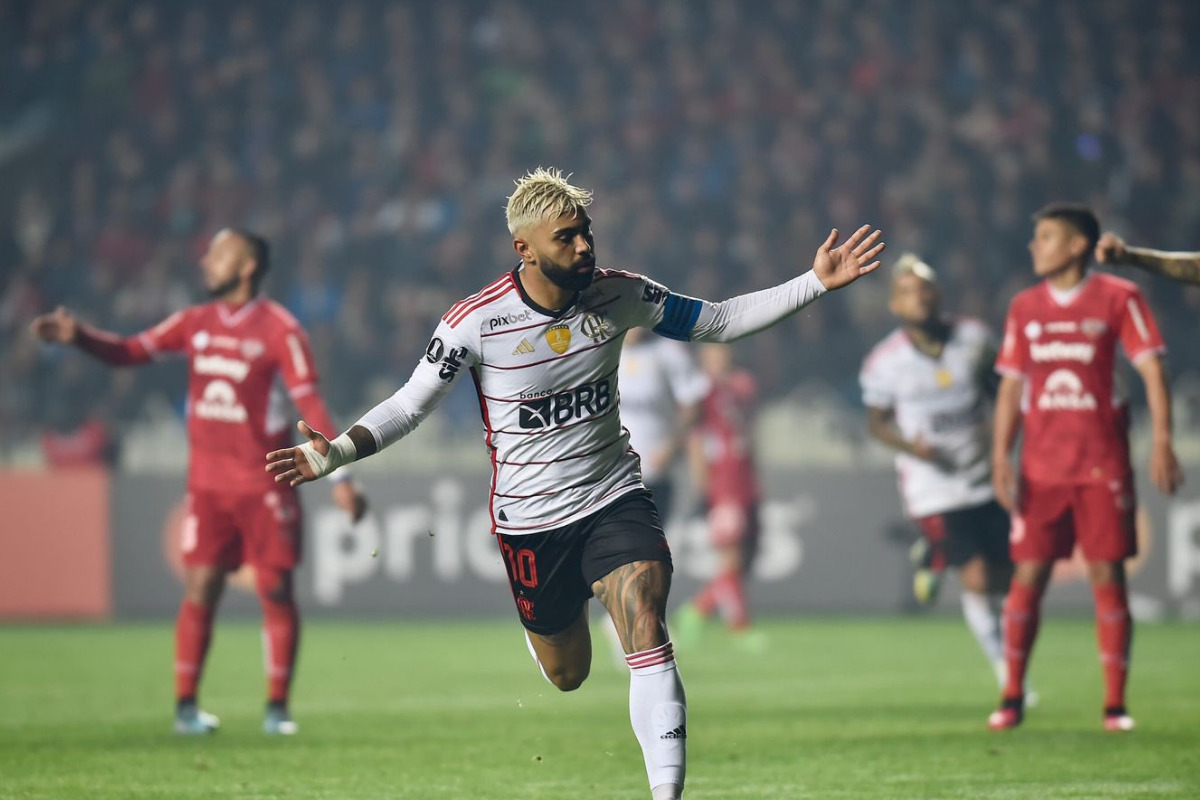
{"x": 523, "y": 349}
{"x": 678, "y": 733}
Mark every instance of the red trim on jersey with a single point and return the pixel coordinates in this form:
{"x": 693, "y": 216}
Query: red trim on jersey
{"x": 608, "y": 374}
{"x": 637, "y": 484}
{"x": 461, "y": 310}
{"x": 556, "y": 358}
{"x": 487, "y": 427}
{"x": 564, "y": 458}
{"x": 616, "y": 273}
{"x": 557, "y": 320}
{"x": 894, "y": 340}
{"x": 282, "y": 314}
{"x": 555, "y": 490}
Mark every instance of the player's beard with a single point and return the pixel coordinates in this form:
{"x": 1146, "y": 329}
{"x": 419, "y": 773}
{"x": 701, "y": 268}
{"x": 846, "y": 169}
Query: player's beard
{"x": 570, "y": 277}
{"x": 224, "y": 287}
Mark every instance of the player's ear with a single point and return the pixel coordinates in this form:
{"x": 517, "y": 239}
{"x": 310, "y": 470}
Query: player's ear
{"x": 523, "y": 249}
{"x": 1079, "y": 245}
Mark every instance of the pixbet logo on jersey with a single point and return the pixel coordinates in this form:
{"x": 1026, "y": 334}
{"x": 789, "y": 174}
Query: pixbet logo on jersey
{"x": 508, "y": 319}
{"x": 588, "y": 400}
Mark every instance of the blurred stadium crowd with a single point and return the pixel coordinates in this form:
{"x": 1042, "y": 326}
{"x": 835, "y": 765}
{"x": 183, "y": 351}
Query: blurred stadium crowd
{"x": 374, "y": 143}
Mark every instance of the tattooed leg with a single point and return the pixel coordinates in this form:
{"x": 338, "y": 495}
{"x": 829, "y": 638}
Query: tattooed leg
{"x": 635, "y": 595}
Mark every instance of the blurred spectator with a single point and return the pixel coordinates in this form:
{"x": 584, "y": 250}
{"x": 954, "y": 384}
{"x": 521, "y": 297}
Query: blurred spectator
{"x": 375, "y": 143}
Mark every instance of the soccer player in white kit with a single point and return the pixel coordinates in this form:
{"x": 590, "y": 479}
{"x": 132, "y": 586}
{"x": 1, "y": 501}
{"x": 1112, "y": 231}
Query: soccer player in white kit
{"x": 927, "y": 388}
{"x": 542, "y": 344}
{"x": 661, "y": 391}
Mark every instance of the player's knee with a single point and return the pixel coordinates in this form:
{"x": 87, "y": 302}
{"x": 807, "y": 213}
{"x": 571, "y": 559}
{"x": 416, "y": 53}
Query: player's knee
{"x": 569, "y": 677}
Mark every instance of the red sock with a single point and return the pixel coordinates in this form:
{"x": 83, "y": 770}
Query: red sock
{"x": 1114, "y": 632}
{"x": 193, "y": 632}
{"x": 281, "y": 638}
{"x": 1022, "y": 612}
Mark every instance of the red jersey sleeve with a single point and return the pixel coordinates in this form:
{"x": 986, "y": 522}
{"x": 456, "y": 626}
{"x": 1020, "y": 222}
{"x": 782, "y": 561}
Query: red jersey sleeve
{"x": 1013, "y": 358}
{"x": 1139, "y": 332}
{"x": 299, "y": 372}
{"x": 168, "y": 336}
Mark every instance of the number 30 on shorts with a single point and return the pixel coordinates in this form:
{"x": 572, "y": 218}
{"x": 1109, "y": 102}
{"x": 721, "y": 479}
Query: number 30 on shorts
{"x": 522, "y": 565}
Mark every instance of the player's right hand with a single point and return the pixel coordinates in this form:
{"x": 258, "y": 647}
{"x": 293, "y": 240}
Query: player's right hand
{"x": 290, "y": 465}
{"x": 1110, "y": 249}
{"x": 59, "y": 326}
{"x": 1004, "y": 482}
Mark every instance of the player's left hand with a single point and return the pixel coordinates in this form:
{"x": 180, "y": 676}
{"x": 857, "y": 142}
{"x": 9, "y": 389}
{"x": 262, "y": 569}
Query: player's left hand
{"x": 840, "y": 266}
{"x": 290, "y": 465}
{"x": 1165, "y": 472}
{"x": 348, "y": 498}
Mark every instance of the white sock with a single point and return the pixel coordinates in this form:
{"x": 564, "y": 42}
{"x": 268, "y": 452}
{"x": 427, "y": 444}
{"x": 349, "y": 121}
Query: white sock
{"x": 536, "y": 660}
{"x": 658, "y": 711}
{"x": 983, "y": 615}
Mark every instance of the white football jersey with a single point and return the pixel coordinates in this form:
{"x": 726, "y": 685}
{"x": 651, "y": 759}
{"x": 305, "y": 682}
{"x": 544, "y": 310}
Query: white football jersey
{"x": 657, "y": 377}
{"x": 944, "y": 402}
{"x": 547, "y": 387}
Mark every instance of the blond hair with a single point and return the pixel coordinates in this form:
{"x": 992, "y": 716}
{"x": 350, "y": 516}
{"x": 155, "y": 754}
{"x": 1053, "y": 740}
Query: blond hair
{"x": 911, "y": 264}
{"x": 541, "y": 195}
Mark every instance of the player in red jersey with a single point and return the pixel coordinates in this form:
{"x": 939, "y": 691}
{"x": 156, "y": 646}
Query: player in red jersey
{"x": 1075, "y": 483}
{"x": 724, "y": 456}
{"x": 1178, "y": 266}
{"x": 240, "y": 349}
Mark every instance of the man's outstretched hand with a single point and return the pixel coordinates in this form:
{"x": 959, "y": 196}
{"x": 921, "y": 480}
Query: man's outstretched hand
{"x": 291, "y": 465}
{"x": 59, "y": 326}
{"x": 840, "y": 266}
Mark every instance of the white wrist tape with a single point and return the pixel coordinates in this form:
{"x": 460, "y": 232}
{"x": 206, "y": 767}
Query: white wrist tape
{"x": 341, "y": 452}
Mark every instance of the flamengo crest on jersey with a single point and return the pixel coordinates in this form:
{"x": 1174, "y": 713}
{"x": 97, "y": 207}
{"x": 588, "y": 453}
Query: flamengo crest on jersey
{"x": 547, "y": 389}
{"x": 943, "y": 402}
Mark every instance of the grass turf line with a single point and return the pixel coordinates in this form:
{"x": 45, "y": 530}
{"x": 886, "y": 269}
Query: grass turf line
{"x": 836, "y": 708}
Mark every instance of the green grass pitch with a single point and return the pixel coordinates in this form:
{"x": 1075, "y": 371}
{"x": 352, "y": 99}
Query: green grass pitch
{"x": 837, "y": 708}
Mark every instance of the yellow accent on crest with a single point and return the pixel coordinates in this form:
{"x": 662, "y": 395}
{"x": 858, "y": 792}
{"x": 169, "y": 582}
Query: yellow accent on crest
{"x": 944, "y": 378}
{"x": 559, "y": 338}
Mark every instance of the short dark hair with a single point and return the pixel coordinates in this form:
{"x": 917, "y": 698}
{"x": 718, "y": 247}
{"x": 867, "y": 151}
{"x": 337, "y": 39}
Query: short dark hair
{"x": 1077, "y": 215}
{"x": 260, "y": 251}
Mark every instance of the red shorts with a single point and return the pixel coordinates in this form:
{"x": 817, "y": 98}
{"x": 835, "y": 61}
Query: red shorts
{"x": 1051, "y": 518}
{"x": 225, "y": 530}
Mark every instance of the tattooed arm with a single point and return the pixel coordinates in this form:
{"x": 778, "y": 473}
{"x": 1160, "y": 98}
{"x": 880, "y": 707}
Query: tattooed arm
{"x": 635, "y": 595}
{"x": 1178, "y": 266}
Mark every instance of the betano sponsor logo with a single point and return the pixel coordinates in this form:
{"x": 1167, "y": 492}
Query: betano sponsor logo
{"x": 1082, "y": 352}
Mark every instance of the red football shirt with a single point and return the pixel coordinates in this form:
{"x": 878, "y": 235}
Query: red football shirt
{"x": 1064, "y": 346}
{"x": 727, "y": 429}
{"x": 243, "y": 364}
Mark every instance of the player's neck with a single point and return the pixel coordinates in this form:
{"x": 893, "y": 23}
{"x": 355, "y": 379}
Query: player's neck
{"x": 1068, "y": 277}
{"x": 238, "y": 297}
{"x": 929, "y": 338}
{"x": 542, "y": 290}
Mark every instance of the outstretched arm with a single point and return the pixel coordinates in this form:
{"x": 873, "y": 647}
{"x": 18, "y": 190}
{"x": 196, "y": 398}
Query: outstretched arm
{"x": 833, "y": 268}
{"x": 386, "y": 423}
{"x": 1178, "y": 266}
{"x": 61, "y": 327}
